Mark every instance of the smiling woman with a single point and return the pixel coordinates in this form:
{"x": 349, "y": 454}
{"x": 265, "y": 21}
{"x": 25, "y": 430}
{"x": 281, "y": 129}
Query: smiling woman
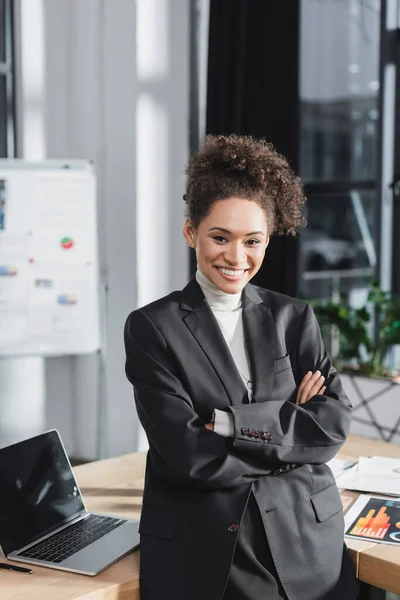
{"x": 230, "y": 255}
{"x": 240, "y": 192}
{"x": 240, "y": 403}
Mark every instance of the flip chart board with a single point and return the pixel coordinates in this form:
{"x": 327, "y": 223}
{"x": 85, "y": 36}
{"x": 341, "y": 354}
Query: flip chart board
{"x": 49, "y": 273}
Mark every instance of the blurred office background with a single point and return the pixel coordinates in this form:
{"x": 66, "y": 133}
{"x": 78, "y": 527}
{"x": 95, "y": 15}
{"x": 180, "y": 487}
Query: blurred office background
{"x": 134, "y": 85}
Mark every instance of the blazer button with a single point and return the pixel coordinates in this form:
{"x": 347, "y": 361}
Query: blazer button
{"x": 253, "y": 433}
{"x": 260, "y": 433}
{"x": 245, "y": 431}
{"x": 266, "y": 436}
{"x": 233, "y": 528}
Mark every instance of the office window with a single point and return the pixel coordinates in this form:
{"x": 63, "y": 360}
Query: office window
{"x": 339, "y": 111}
{"x": 339, "y": 87}
{"x": 7, "y": 112}
{"x": 338, "y": 249}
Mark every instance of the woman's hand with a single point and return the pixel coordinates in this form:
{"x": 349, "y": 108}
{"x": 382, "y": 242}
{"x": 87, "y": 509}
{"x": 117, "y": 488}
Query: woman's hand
{"x": 311, "y": 384}
{"x": 209, "y": 426}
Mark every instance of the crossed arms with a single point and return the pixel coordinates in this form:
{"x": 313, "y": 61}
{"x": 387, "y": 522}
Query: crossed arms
{"x": 184, "y": 450}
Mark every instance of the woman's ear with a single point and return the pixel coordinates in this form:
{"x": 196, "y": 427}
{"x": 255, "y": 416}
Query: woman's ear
{"x": 189, "y": 233}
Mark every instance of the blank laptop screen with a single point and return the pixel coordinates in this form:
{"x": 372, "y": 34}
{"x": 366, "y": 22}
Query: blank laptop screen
{"x": 38, "y": 491}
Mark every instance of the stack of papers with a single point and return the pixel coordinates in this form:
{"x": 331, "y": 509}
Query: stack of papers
{"x": 339, "y": 465}
{"x": 376, "y": 474}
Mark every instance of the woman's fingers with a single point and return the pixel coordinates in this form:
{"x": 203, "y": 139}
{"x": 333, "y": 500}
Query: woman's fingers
{"x": 309, "y": 386}
{"x": 303, "y": 382}
{"x": 316, "y": 388}
{"x": 305, "y": 379}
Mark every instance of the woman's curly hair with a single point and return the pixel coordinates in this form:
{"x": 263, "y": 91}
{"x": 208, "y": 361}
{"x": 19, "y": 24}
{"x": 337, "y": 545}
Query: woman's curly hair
{"x": 244, "y": 167}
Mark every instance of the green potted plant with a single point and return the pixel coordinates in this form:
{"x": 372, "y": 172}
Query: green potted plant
{"x": 358, "y": 347}
{"x": 360, "y": 340}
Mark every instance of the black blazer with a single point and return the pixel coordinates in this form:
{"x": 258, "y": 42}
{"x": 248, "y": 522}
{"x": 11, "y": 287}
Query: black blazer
{"x": 197, "y": 482}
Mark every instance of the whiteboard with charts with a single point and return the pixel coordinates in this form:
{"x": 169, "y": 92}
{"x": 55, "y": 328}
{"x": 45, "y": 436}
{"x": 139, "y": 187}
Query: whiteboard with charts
{"x": 49, "y": 273}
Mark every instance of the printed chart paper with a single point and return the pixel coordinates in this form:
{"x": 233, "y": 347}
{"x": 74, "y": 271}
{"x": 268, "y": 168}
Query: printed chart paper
{"x": 374, "y": 519}
{"x": 339, "y": 465}
{"x": 375, "y": 474}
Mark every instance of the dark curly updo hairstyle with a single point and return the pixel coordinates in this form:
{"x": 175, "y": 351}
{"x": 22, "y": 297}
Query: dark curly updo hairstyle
{"x": 244, "y": 167}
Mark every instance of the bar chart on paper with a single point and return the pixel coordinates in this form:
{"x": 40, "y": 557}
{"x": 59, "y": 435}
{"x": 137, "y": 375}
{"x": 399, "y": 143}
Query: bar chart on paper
{"x": 373, "y": 525}
{"x": 376, "y": 519}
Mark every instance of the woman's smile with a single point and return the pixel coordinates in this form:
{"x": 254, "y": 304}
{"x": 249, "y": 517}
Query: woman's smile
{"x": 231, "y": 274}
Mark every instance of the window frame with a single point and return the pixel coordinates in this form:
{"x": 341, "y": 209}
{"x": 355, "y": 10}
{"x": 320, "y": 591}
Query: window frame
{"x": 7, "y": 70}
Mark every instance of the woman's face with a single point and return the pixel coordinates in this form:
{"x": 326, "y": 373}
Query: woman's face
{"x": 230, "y": 243}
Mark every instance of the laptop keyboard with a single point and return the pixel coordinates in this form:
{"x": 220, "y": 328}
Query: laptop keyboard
{"x": 70, "y": 540}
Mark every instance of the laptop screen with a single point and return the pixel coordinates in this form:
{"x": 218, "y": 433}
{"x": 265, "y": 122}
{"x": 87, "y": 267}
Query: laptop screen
{"x": 38, "y": 491}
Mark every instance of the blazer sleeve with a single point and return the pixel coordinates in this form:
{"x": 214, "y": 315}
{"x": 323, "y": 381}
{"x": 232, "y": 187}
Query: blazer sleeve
{"x": 181, "y": 448}
{"x": 309, "y": 433}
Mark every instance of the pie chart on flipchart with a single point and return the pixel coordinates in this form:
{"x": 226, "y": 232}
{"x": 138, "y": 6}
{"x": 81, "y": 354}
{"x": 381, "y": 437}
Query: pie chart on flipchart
{"x": 67, "y": 243}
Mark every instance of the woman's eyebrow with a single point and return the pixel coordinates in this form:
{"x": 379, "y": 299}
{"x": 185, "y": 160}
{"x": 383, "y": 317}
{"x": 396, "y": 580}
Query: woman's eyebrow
{"x": 227, "y": 231}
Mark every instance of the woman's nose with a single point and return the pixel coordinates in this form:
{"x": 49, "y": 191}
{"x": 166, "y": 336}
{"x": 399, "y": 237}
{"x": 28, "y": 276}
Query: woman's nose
{"x": 235, "y": 255}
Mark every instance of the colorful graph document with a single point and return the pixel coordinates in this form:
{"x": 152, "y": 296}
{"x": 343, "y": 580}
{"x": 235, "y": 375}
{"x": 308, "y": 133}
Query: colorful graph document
{"x": 374, "y": 519}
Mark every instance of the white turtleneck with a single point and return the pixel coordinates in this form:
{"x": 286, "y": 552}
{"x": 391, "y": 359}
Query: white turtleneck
{"x": 227, "y": 309}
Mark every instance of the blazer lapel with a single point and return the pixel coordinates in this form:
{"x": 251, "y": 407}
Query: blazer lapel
{"x": 258, "y": 326}
{"x": 205, "y": 329}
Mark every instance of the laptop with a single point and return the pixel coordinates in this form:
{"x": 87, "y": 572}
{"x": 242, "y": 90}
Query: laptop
{"x": 43, "y": 518}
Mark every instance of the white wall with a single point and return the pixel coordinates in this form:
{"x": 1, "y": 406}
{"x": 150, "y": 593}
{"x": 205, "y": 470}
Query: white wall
{"x": 117, "y": 96}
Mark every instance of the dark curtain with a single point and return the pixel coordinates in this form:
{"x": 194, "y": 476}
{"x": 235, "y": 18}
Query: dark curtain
{"x": 252, "y": 89}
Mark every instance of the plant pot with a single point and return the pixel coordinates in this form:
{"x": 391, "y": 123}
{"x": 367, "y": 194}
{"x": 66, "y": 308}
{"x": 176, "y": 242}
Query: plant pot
{"x": 376, "y": 407}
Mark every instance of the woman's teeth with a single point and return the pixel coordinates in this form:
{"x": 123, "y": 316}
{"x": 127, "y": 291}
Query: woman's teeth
{"x": 230, "y": 272}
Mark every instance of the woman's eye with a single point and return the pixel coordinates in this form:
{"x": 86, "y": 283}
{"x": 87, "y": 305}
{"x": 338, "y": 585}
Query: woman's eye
{"x": 252, "y": 242}
{"x": 219, "y": 238}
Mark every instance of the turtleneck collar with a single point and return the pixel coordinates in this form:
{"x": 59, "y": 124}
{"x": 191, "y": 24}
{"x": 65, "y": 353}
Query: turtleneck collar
{"x": 216, "y": 298}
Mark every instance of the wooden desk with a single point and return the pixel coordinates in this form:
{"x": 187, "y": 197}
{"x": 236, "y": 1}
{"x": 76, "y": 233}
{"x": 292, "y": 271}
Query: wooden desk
{"x": 115, "y": 485}
{"x": 376, "y": 564}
